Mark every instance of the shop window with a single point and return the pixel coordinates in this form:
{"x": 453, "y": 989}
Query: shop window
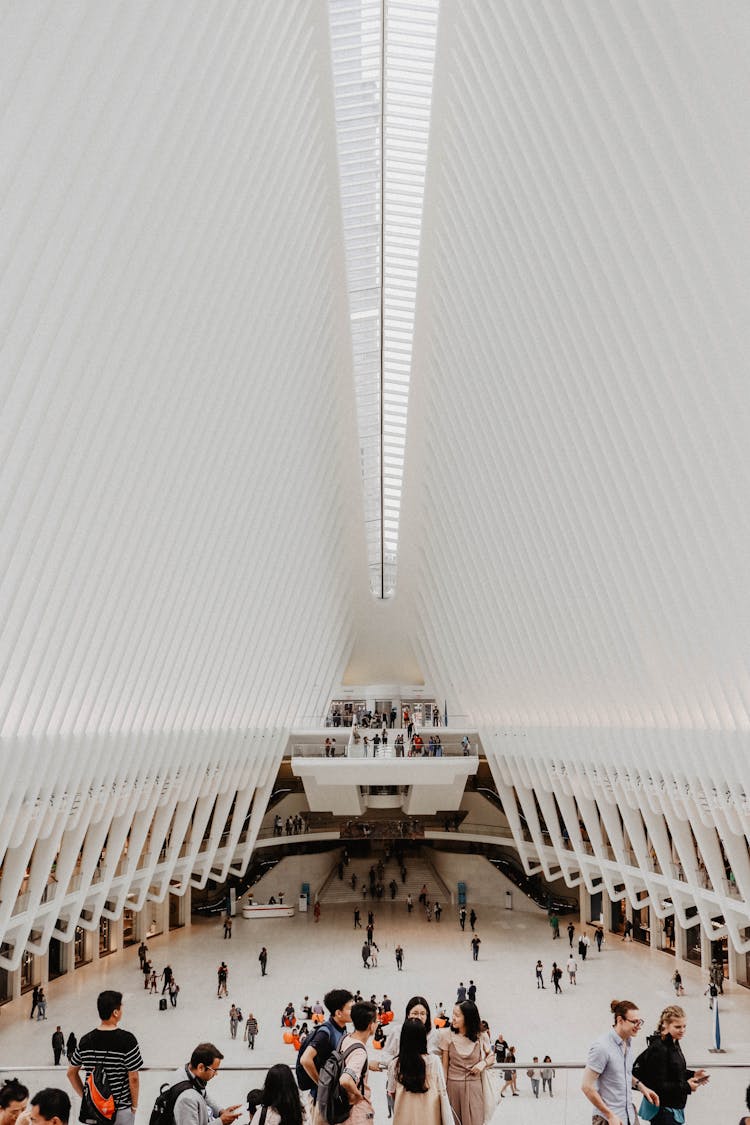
{"x": 693, "y": 945}
{"x": 27, "y": 971}
{"x": 56, "y": 959}
{"x": 128, "y": 928}
{"x": 106, "y": 937}
{"x": 6, "y": 980}
{"x": 80, "y": 951}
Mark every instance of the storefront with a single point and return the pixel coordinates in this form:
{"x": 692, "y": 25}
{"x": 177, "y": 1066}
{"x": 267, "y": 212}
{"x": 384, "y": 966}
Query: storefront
{"x": 617, "y": 916}
{"x": 81, "y": 955}
{"x": 27, "y": 971}
{"x": 106, "y": 937}
{"x": 175, "y": 912}
{"x": 56, "y": 958}
{"x": 720, "y": 951}
{"x": 642, "y": 925}
{"x": 128, "y": 928}
{"x": 6, "y": 980}
{"x": 693, "y": 945}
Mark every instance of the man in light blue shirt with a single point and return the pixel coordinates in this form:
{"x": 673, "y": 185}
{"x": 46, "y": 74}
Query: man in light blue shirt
{"x": 608, "y": 1078}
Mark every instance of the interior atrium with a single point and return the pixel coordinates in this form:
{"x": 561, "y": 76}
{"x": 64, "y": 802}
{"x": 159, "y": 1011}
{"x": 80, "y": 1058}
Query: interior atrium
{"x": 373, "y": 356}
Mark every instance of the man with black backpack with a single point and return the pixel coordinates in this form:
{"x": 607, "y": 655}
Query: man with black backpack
{"x": 317, "y": 1048}
{"x": 112, "y": 1059}
{"x": 353, "y": 1080}
{"x": 186, "y": 1101}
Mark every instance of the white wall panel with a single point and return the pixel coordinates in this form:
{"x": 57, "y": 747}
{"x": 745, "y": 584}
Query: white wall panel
{"x": 182, "y": 560}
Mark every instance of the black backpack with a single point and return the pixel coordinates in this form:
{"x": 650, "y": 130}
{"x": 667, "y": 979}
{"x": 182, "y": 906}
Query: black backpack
{"x": 333, "y": 1102}
{"x": 304, "y": 1081}
{"x": 163, "y": 1111}
{"x": 98, "y": 1102}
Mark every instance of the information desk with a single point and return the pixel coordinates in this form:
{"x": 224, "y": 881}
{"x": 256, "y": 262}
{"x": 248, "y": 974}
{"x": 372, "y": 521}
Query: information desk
{"x": 272, "y": 910}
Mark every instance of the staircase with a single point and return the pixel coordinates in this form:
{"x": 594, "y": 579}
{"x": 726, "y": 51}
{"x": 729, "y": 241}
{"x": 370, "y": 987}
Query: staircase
{"x": 419, "y": 871}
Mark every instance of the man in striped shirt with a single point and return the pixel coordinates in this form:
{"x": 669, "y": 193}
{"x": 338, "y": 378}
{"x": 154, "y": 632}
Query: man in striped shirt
{"x": 117, "y": 1050}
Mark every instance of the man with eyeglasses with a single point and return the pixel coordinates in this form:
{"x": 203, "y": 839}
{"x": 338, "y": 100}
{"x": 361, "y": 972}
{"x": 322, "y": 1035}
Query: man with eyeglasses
{"x": 608, "y": 1078}
{"x": 192, "y": 1106}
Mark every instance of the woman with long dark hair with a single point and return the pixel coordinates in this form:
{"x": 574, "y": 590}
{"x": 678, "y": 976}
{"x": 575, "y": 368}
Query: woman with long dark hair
{"x": 417, "y": 1008}
{"x": 279, "y": 1103}
{"x": 663, "y": 1068}
{"x": 416, "y": 1082}
{"x": 467, "y": 1053}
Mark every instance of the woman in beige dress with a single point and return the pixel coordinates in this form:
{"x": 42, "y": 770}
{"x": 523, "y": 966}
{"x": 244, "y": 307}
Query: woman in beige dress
{"x": 416, "y": 1082}
{"x": 466, "y": 1052}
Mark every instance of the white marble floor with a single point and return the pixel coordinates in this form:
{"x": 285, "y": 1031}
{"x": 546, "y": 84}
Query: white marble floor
{"x": 305, "y": 958}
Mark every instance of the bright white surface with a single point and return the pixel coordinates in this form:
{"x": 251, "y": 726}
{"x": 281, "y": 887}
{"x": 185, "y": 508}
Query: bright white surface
{"x": 305, "y": 958}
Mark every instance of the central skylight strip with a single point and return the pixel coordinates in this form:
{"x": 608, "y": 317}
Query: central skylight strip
{"x": 383, "y": 56}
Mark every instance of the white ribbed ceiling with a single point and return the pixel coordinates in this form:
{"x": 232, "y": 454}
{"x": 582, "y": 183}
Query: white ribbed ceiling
{"x": 578, "y": 483}
{"x": 181, "y": 506}
{"x": 183, "y": 531}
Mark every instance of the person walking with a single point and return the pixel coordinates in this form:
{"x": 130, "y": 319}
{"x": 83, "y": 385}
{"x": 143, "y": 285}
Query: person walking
{"x": 42, "y": 1005}
{"x": 677, "y": 982}
{"x": 475, "y": 943}
{"x": 539, "y": 970}
{"x": 153, "y": 984}
{"x": 599, "y": 938}
{"x": 460, "y": 992}
{"x": 584, "y": 946}
{"x": 58, "y": 1044}
{"x": 251, "y": 1030}
{"x": 263, "y": 959}
{"x": 34, "y": 1000}
{"x": 142, "y": 951}
{"x": 547, "y": 1075}
{"x": 416, "y": 1081}
{"x": 473, "y": 919}
{"x": 627, "y": 933}
{"x": 222, "y": 977}
{"x": 357, "y": 919}
{"x": 462, "y": 917}
{"x": 316, "y": 910}
{"x": 71, "y": 1044}
{"x": 533, "y": 1074}
{"x": 509, "y": 1074}
{"x": 365, "y": 954}
{"x": 227, "y": 927}
{"x": 234, "y": 1019}
{"x": 572, "y": 968}
{"x": 399, "y": 957}
{"x": 571, "y": 933}
{"x": 554, "y": 922}
{"x": 166, "y": 976}
{"x": 663, "y": 1068}
{"x": 608, "y": 1080}
{"x": 409, "y": 904}
{"x": 438, "y": 911}
{"x": 119, "y": 1048}
{"x": 174, "y": 989}
{"x": 466, "y": 1053}
{"x": 471, "y": 992}
{"x": 556, "y": 976}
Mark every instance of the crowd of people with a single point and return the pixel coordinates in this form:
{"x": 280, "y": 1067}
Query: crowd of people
{"x": 442, "y": 1067}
